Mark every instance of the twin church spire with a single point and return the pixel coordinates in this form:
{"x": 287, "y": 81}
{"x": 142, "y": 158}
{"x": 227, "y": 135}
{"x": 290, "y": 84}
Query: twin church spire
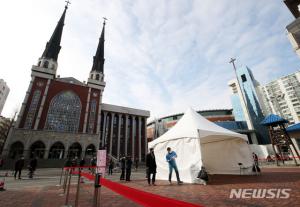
{"x": 53, "y": 45}
{"x": 98, "y": 61}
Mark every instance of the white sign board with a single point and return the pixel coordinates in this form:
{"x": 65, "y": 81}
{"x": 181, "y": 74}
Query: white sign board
{"x": 101, "y": 162}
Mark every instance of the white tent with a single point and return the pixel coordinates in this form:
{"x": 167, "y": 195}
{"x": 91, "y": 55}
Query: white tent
{"x": 198, "y": 142}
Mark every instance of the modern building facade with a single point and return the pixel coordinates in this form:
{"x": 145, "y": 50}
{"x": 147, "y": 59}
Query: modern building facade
{"x": 245, "y": 100}
{"x": 64, "y": 118}
{"x": 293, "y": 29}
{"x": 221, "y": 117}
{"x": 282, "y": 97}
{"x": 4, "y": 91}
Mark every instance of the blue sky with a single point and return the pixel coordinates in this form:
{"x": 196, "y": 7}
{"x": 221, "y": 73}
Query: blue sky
{"x": 161, "y": 55}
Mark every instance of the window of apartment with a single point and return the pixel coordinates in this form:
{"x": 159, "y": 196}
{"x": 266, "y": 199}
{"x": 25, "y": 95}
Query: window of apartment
{"x": 244, "y": 79}
{"x": 294, "y": 100}
{"x": 296, "y": 104}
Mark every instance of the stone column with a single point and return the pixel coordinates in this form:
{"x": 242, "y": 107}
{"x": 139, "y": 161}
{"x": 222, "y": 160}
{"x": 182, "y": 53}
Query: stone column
{"x": 133, "y": 137}
{"x": 67, "y": 145}
{"x": 104, "y": 128}
{"x": 21, "y": 113}
{"x": 37, "y": 121}
{"x": 27, "y": 145}
{"x": 119, "y": 133}
{"x": 140, "y": 139}
{"x": 111, "y": 132}
{"x": 47, "y": 149}
{"x": 145, "y": 137}
{"x": 83, "y": 151}
{"x": 126, "y": 133}
{"x": 87, "y": 111}
{"x": 99, "y": 114}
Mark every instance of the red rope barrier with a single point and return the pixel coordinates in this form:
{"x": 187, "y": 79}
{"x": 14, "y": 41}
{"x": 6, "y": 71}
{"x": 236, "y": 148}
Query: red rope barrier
{"x": 138, "y": 196}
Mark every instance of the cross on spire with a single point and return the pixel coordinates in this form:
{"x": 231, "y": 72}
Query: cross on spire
{"x": 104, "y": 20}
{"x": 232, "y": 61}
{"x": 67, "y": 3}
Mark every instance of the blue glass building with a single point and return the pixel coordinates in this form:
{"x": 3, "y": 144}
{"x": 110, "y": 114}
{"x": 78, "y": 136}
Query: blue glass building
{"x": 249, "y": 89}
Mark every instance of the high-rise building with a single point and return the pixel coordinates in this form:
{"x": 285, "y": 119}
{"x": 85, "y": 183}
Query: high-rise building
{"x": 282, "y": 97}
{"x": 246, "y": 105}
{"x": 293, "y": 29}
{"x": 4, "y": 91}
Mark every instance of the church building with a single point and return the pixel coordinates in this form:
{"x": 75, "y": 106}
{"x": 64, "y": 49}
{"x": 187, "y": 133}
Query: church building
{"x": 62, "y": 117}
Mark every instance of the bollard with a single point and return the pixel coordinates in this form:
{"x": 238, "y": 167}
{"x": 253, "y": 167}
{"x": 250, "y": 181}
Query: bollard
{"x": 68, "y": 188}
{"x": 78, "y": 187}
{"x": 97, "y": 189}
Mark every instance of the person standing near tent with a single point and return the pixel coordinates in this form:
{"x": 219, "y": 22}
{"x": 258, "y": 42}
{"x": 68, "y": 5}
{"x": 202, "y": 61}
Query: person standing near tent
{"x": 170, "y": 157}
{"x": 151, "y": 166}
{"x": 203, "y": 176}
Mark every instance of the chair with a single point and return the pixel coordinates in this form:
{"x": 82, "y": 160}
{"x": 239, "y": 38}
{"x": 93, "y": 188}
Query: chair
{"x": 241, "y": 167}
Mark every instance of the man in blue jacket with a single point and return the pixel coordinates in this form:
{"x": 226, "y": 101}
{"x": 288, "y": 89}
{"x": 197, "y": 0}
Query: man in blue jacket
{"x": 170, "y": 157}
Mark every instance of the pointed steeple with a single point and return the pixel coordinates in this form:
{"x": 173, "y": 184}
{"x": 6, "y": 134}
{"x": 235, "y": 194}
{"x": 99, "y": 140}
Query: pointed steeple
{"x": 53, "y": 46}
{"x": 98, "y": 62}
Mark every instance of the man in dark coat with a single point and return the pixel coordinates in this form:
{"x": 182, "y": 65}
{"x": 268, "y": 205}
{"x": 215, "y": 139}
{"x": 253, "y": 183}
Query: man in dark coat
{"x": 111, "y": 167}
{"x": 122, "y": 166}
{"x": 32, "y": 166}
{"x": 19, "y": 164}
{"x": 151, "y": 166}
{"x": 128, "y": 168}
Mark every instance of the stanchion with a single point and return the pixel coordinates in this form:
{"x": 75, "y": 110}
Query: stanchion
{"x": 97, "y": 189}
{"x": 61, "y": 174}
{"x": 78, "y": 187}
{"x": 65, "y": 180}
{"x": 68, "y": 188}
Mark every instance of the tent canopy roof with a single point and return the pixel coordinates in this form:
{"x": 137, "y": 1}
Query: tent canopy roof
{"x": 191, "y": 125}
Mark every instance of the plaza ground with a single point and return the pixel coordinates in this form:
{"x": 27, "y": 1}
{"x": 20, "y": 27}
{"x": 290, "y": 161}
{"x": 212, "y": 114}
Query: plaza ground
{"x": 42, "y": 190}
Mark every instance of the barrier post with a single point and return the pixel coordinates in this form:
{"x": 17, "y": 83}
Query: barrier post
{"x": 65, "y": 180}
{"x": 97, "y": 189}
{"x": 78, "y": 187}
{"x": 68, "y": 188}
{"x": 61, "y": 174}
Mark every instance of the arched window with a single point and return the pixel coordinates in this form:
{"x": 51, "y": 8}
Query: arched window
{"x": 39, "y": 64}
{"x": 64, "y": 112}
{"x": 46, "y": 64}
{"x": 90, "y": 150}
{"x": 56, "y": 151}
{"x": 92, "y": 116}
{"x": 97, "y": 76}
{"x": 32, "y": 109}
{"x": 37, "y": 149}
{"x": 74, "y": 150}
